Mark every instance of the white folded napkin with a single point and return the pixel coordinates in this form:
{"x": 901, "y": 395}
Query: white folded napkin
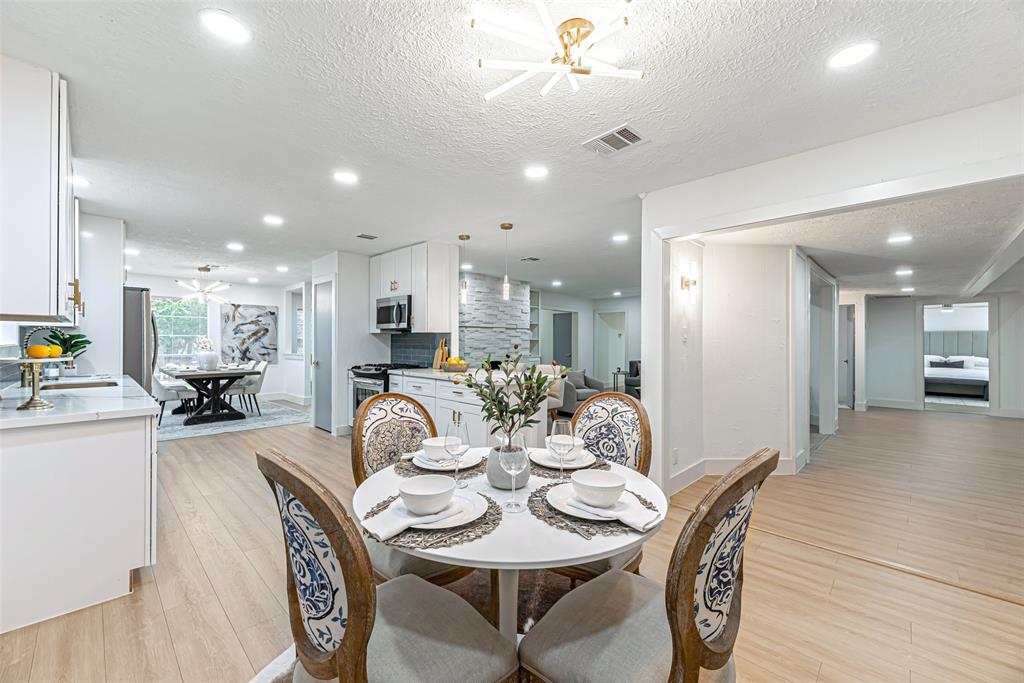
{"x": 409, "y": 456}
{"x": 632, "y": 515}
{"x": 397, "y": 519}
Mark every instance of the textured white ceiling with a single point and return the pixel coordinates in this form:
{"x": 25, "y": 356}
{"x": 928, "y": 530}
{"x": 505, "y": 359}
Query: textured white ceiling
{"x": 955, "y": 234}
{"x": 192, "y": 141}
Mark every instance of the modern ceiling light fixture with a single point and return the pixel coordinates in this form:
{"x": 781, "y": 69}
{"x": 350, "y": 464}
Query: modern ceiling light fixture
{"x": 204, "y": 292}
{"x": 271, "y": 219}
{"x": 536, "y": 172}
{"x": 900, "y": 239}
{"x": 346, "y": 177}
{"x": 282, "y": 269}
{"x": 131, "y": 251}
{"x": 620, "y": 238}
{"x": 506, "y": 286}
{"x": 221, "y": 24}
{"x": 253, "y": 280}
{"x": 616, "y": 293}
{"x": 556, "y": 283}
{"x": 907, "y": 289}
{"x": 235, "y": 246}
{"x": 463, "y": 282}
{"x": 852, "y": 54}
{"x": 903, "y": 272}
{"x": 565, "y": 47}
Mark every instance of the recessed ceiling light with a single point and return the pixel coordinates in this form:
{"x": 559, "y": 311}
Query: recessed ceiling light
{"x": 556, "y": 283}
{"x": 131, "y": 251}
{"x": 127, "y": 267}
{"x": 85, "y": 233}
{"x": 282, "y": 269}
{"x": 904, "y": 271}
{"x": 900, "y": 239}
{"x": 907, "y": 289}
{"x": 271, "y": 219}
{"x": 234, "y": 246}
{"x": 536, "y": 172}
{"x": 852, "y": 54}
{"x": 221, "y": 24}
{"x": 616, "y": 293}
{"x": 620, "y": 238}
{"x": 467, "y": 266}
{"x": 254, "y": 280}
{"x": 346, "y": 177}
{"x": 79, "y": 181}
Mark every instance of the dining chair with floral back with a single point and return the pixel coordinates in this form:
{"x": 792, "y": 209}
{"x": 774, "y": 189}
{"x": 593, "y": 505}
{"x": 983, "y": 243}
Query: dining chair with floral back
{"x": 614, "y": 628}
{"x": 614, "y": 427}
{"x": 348, "y": 629}
{"x": 386, "y": 427}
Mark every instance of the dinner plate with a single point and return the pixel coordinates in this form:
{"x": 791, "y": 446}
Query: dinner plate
{"x": 473, "y": 507}
{"x": 469, "y": 459}
{"x": 546, "y": 458}
{"x": 558, "y": 497}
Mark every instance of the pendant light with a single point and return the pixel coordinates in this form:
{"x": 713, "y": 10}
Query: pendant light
{"x": 506, "y": 288}
{"x": 463, "y": 282}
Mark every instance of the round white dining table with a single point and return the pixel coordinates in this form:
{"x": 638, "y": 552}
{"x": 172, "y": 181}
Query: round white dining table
{"x": 521, "y": 541}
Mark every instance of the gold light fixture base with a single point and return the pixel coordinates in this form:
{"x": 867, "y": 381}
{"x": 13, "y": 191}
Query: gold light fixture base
{"x": 463, "y": 237}
{"x": 506, "y": 226}
{"x": 571, "y": 34}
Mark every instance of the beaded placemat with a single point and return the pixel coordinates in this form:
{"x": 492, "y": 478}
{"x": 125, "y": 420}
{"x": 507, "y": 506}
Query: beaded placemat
{"x": 442, "y": 538}
{"x": 552, "y": 472}
{"x": 406, "y": 468}
{"x": 542, "y": 510}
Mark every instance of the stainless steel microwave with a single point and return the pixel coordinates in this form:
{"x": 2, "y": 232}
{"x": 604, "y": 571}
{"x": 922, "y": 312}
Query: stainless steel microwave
{"x": 394, "y": 314}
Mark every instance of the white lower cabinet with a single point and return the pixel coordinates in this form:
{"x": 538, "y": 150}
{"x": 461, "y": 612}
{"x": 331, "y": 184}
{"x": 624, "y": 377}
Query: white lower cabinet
{"x": 471, "y": 414}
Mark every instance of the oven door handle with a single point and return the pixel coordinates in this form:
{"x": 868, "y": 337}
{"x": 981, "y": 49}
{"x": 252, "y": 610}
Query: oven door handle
{"x": 368, "y": 383}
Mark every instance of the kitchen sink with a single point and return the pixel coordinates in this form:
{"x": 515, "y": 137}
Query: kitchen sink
{"x": 79, "y": 385}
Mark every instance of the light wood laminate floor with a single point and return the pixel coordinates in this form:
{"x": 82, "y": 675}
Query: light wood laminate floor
{"x": 939, "y": 491}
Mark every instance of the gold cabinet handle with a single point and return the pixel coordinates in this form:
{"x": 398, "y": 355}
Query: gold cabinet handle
{"x": 81, "y": 309}
{"x": 76, "y": 297}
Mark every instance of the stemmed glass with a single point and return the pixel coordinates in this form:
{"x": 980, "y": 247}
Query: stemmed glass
{"x": 513, "y": 459}
{"x": 456, "y": 443}
{"x": 561, "y": 443}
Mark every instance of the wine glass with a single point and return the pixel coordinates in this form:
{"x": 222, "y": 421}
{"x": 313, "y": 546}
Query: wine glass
{"x": 561, "y": 443}
{"x": 512, "y": 458}
{"x": 456, "y": 443}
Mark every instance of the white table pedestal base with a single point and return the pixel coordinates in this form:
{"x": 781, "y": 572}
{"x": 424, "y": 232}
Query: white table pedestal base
{"x": 508, "y": 602}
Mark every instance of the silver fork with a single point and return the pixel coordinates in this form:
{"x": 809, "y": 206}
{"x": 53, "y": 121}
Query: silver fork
{"x": 579, "y": 530}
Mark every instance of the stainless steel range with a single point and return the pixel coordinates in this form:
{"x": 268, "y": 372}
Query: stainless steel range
{"x": 370, "y": 379}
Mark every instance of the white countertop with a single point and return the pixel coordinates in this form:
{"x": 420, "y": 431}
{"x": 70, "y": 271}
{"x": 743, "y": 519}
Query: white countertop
{"x": 426, "y": 373}
{"x": 127, "y": 399}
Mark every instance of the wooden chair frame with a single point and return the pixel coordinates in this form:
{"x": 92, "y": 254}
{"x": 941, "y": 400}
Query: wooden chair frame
{"x": 690, "y": 652}
{"x": 348, "y": 661}
{"x": 360, "y": 475}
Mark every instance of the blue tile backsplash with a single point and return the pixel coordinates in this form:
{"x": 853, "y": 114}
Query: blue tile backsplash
{"x": 417, "y": 349}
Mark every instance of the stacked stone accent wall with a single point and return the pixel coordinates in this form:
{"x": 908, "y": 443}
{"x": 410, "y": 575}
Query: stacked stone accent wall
{"x": 487, "y": 324}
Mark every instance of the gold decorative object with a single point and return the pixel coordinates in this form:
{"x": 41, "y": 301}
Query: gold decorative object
{"x": 33, "y": 368}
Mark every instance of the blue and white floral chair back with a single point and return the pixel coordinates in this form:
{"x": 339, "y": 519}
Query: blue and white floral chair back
{"x": 615, "y": 427}
{"x": 331, "y": 594}
{"x": 705, "y": 577}
{"x": 386, "y": 427}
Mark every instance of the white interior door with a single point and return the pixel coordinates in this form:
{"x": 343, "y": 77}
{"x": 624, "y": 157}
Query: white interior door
{"x": 323, "y": 340}
{"x": 610, "y": 344}
{"x": 828, "y": 356}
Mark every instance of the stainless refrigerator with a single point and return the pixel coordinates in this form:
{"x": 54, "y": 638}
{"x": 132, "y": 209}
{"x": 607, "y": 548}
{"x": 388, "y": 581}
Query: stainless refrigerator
{"x": 140, "y": 337}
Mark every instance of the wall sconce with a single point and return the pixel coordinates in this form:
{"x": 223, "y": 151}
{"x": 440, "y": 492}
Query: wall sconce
{"x": 688, "y": 282}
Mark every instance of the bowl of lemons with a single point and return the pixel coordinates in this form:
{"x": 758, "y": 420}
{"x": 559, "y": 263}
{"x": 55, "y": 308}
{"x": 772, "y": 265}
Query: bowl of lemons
{"x": 455, "y": 364}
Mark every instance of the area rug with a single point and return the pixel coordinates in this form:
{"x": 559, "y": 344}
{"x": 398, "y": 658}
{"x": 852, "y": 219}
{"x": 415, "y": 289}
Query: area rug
{"x": 274, "y": 415}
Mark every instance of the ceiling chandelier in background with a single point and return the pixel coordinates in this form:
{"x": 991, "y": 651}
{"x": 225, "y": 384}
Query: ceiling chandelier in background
{"x": 204, "y": 292}
{"x": 566, "y": 49}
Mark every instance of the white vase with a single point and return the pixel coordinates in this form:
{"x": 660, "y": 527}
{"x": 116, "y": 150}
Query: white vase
{"x": 499, "y": 478}
{"x": 208, "y": 360}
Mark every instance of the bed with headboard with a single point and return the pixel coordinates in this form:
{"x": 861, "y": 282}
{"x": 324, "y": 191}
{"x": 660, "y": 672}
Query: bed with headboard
{"x": 956, "y": 363}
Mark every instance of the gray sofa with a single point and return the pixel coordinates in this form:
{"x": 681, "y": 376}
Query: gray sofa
{"x": 578, "y": 388}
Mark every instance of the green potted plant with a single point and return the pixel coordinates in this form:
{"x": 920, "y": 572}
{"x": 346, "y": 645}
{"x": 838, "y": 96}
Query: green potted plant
{"x": 73, "y": 345}
{"x": 511, "y": 395}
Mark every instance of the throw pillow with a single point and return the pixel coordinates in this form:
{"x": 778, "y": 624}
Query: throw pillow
{"x": 948, "y": 364}
{"x": 577, "y": 379}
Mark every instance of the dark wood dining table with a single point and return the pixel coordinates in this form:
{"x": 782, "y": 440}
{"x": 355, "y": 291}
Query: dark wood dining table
{"x": 211, "y": 386}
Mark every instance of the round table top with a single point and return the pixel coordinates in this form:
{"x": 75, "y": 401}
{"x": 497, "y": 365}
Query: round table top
{"x": 521, "y": 541}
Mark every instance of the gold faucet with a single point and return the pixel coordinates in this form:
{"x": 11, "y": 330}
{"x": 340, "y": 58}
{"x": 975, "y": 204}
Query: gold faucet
{"x": 26, "y": 375}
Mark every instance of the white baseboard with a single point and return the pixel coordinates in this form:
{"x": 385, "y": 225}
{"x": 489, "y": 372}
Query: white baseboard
{"x": 801, "y": 459}
{"x": 1007, "y": 412}
{"x": 680, "y": 480}
{"x": 723, "y": 465}
{"x": 893, "y": 403}
{"x": 343, "y": 430}
{"x": 295, "y": 398}
{"x": 860, "y": 406}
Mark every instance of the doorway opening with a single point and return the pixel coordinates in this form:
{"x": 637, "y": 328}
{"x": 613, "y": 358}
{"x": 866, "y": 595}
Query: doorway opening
{"x": 609, "y": 344}
{"x": 847, "y": 356}
{"x": 822, "y": 347}
{"x": 559, "y": 333}
{"x": 956, "y": 357}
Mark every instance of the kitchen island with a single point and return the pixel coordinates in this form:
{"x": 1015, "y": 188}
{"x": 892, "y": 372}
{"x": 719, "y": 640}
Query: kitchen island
{"x": 77, "y": 497}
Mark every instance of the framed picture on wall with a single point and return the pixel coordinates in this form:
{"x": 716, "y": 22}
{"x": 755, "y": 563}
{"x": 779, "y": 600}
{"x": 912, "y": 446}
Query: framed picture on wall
{"x": 248, "y": 332}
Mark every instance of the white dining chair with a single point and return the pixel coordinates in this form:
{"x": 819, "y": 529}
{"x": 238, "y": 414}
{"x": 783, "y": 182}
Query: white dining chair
{"x": 166, "y": 389}
{"x": 248, "y": 387}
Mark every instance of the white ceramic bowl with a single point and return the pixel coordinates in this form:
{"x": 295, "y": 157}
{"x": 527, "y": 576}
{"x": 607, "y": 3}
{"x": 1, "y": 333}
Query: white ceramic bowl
{"x": 597, "y": 487}
{"x": 426, "y": 494}
{"x": 434, "y": 447}
{"x": 577, "y": 448}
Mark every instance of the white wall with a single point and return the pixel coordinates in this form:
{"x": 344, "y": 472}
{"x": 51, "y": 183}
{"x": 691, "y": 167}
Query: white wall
{"x": 800, "y": 357}
{"x": 631, "y": 306}
{"x": 962, "y": 318}
{"x": 279, "y": 375}
{"x": 101, "y": 266}
{"x": 683, "y": 424}
{"x": 892, "y": 352}
{"x": 1011, "y": 354}
{"x": 584, "y": 308}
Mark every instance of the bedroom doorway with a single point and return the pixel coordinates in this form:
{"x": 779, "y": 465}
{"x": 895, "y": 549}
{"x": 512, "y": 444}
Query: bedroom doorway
{"x": 956, "y": 356}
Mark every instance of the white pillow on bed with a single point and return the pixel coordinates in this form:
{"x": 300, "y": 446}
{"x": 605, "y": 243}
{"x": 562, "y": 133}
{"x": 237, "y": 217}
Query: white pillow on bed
{"x": 980, "y": 362}
{"x": 928, "y": 358}
{"x": 968, "y": 360}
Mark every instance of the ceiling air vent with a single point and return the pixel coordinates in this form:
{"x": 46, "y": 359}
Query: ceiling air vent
{"x": 365, "y": 236}
{"x": 529, "y": 259}
{"x": 615, "y": 140}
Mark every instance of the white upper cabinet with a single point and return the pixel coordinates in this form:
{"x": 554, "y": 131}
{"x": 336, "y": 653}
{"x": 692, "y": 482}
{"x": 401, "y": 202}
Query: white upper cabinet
{"x": 38, "y": 226}
{"x": 429, "y": 273}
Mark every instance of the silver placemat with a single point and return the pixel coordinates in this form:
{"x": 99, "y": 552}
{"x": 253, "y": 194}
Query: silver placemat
{"x": 552, "y": 472}
{"x": 542, "y": 510}
{"x": 406, "y": 468}
{"x": 443, "y": 538}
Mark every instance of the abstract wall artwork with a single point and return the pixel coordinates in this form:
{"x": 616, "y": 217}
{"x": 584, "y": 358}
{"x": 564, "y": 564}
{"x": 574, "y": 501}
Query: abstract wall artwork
{"x": 248, "y": 332}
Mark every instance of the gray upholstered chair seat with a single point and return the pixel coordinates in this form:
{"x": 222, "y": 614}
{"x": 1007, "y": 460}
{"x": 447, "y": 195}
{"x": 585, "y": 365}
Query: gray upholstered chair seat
{"x": 612, "y": 628}
{"x": 614, "y": 562}
{"x": 391, "y": 563}
{"x": 583, "y": 394}
{"x": 426, "y": 634}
